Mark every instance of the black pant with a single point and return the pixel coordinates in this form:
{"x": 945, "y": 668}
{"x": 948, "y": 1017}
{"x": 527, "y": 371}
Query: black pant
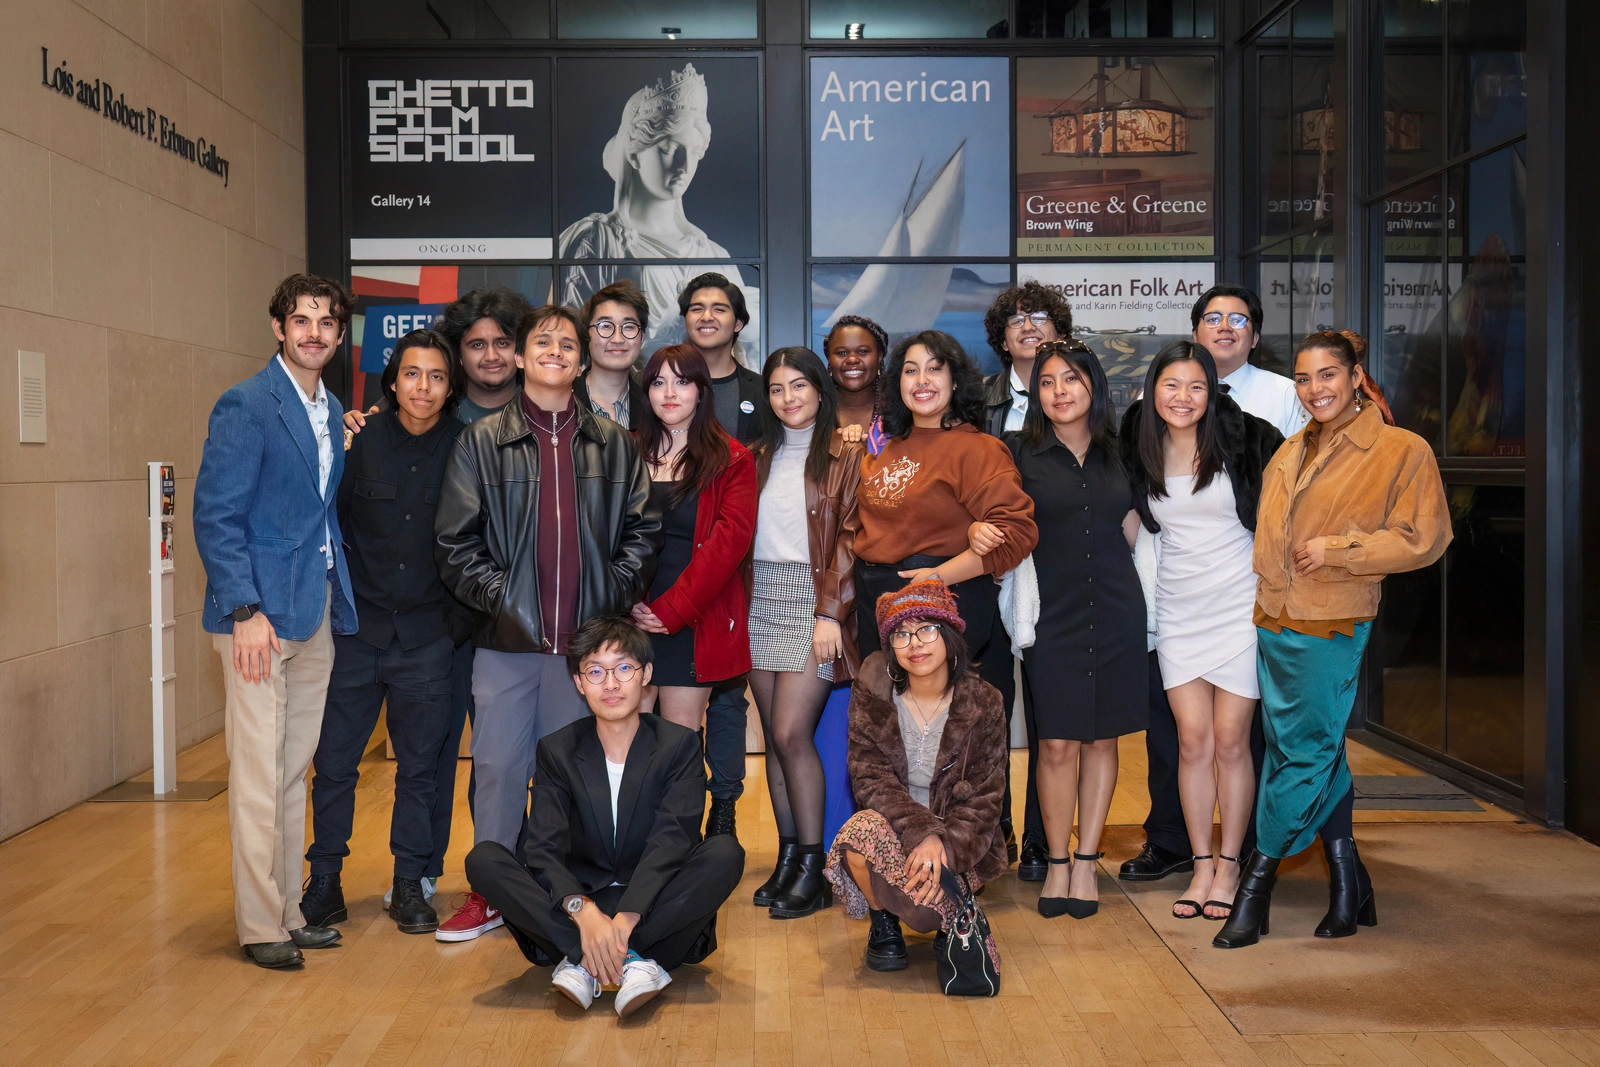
{"x": 727, "y": 716}
{"x": 444, "y": 796}
{"x": 978, "y": 601}
{"x": 680, "y": 927}
{"x": 1165, "y": 827}
{"x": 417, "y": 687}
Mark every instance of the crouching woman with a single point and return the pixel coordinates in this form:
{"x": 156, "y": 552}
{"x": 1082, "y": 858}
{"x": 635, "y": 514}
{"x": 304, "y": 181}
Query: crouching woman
{"x": 927, "y": 758}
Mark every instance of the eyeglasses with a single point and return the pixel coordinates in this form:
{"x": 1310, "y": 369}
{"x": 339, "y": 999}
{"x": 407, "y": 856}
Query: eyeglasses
{"x": 607, "y": 328}
{"x": 926, "y": 635}
{"x": 1038, "y": 318}
{"x": 622, "y": 672}
{"x": 1237, "y": 319}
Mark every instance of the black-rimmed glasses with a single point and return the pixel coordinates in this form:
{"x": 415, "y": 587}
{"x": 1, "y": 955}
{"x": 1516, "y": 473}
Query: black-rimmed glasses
{"x": 606, "y": 328}
{"x": 926, "y": 635}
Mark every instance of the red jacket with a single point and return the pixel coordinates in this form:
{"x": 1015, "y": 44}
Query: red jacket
{"x": 712, "y": 595}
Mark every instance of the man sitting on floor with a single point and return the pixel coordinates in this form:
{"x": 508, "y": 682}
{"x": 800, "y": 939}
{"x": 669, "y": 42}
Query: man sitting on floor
{"x": 615, "y": 881}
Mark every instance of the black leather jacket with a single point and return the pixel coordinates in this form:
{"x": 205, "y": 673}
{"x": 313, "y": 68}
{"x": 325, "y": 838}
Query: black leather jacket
{"x": 997, "y": 401}
{"x": 488, "y": 519}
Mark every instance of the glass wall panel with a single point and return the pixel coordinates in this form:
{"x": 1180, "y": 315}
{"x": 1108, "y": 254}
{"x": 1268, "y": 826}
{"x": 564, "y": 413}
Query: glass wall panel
{"x": 1416, "y": 312}
{"x": 876, "y": 20}
{"x": 658, "y": 20}
{"x": 909, "y": 156}
{"x": 1314, "y": 140}
{"x": 1116, "y": 18}
{"x": 1116, "y": 156}
{"x": 1483, "y": 626}
{"x": 1488, "y": 86}
{"x": 1410, "y": 107}
{"x": 662, "y": 285}
{"x": 1277, "y": 139}
{"x": 448, "y": 20}
{"x": 1408, "y": 648}
{"x": 905, "y": 298}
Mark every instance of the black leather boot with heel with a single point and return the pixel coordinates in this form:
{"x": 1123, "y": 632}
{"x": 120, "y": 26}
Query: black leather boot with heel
{"x": 782, "y": 875}
{"x": 809, "y": 891}
{"x": 1251, "y": 906}
{"x": 1350, "y": 900}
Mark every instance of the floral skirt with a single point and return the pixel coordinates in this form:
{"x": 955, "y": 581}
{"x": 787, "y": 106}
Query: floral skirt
{"x": 870, "y": 834}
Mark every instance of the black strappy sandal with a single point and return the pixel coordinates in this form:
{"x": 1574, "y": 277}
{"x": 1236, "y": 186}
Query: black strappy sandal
{"x": 1055, "y": 907}
{"x": 1220, "y": 903}
{"x": 1199, "y": 908}
{"x": 1076, "y": 906}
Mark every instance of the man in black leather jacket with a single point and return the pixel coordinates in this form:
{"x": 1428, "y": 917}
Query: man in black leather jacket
{"x": 544, "y": 521}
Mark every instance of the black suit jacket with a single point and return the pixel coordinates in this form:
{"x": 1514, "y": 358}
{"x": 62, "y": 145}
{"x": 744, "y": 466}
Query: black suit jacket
{"x": 569, "y": 846}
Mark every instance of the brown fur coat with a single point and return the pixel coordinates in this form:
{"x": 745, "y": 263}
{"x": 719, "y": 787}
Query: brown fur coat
{"x": 968, "y": 783}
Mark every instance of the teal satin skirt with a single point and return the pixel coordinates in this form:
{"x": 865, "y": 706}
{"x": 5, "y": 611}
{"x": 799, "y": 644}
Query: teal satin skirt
{"x": 1308, "y": 686}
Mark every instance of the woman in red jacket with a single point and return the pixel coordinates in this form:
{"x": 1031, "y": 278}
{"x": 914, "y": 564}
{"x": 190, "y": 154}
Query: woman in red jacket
{"x": 704, "y": 482}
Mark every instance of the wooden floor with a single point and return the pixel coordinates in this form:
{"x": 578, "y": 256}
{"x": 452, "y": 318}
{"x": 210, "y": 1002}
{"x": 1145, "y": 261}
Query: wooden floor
{"x": 118, "y": 948}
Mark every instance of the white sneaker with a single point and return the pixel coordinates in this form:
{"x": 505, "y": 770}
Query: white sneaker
{"x": 641, "y": 981}
{"x": 430, "y": 886}
{"x": 577, "y": 983}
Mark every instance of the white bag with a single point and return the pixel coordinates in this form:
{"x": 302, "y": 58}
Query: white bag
{"x": 1146, "y": 559}
{"x": 1019, "y": 604}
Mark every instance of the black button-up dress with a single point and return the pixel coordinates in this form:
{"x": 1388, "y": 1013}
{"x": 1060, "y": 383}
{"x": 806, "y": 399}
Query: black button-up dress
{"x": 1088, "y": 669}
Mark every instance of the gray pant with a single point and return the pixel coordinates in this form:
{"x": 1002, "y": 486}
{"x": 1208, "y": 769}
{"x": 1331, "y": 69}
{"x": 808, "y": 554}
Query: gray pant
{"x": 520, "y": 698}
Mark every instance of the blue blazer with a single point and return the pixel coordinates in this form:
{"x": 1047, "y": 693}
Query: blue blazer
{"x": 258, "y": 516}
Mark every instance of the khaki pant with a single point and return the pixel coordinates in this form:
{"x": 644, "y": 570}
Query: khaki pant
{"x": 272, "y": 730}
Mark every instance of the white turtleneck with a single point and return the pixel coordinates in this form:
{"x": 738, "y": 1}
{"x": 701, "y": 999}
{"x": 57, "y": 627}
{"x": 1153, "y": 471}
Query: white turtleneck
{"x": 782, "y": 534}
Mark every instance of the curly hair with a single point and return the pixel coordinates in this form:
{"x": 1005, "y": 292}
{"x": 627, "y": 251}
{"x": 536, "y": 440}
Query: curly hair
{"x": 1030, "y": 296}
{"x": 286, "y": 297}
{"x": 966, "y": 384}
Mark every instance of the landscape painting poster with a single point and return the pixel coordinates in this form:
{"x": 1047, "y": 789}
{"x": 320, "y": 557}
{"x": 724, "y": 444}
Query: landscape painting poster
{"x": 1125, "y": 312}
{"x": 918, "y": 296}
{"x": 1116, "y": 156}
{"x": 909, "y": 156}
{"x": 451, "y": 159}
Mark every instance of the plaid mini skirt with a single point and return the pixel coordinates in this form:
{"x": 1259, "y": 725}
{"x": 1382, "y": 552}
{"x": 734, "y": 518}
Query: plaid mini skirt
{"x": 783, "y": 617}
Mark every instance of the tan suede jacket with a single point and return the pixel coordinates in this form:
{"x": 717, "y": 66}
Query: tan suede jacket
{"x": 1374, "y": 492}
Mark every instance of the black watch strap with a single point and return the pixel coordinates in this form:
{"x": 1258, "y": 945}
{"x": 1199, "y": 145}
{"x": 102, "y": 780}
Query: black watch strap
{"x": 245, "y": 613}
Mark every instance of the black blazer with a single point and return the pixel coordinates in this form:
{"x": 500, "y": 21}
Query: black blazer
{"x": 753, "y": 393}
{"x": 569, "y": 845}
{"x": 1248, "y": 444}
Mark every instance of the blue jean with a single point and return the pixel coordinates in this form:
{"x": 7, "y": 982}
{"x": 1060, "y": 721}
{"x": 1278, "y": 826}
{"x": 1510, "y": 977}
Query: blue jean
{"x": 416, "y": 685}
{"x": 726, "y": 717}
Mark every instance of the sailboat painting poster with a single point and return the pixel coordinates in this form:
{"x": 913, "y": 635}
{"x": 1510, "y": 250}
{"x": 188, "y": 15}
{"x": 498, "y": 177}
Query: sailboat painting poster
{"x": 910, "y": 156}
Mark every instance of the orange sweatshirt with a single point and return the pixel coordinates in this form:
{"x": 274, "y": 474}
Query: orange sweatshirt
{"x": 921, "y": 493}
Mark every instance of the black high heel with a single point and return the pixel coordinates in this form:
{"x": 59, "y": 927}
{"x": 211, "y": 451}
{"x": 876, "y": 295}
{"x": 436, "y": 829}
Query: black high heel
{"x": 1350, "y": 900}
{"x": 1077, "y": 907}
{"x": 1252, "y": 905}
{"x": 783, "y": 875}
{"x": 1199, "y": 908}
{"x": 1220, "y": 903}
{"x": 809, "y": 891}
{"x": 1055, "y": 907}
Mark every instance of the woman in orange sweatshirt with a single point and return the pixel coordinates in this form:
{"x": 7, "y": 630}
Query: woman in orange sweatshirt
{"x": 1347, "y": 500}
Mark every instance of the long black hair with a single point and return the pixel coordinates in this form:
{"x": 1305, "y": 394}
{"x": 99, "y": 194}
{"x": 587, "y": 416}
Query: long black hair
{"x": 707, "y": 452}
{"x": 958, "y": 659}
{"x": 1210, "y": 448}
{"x": 966, "y": 384}
{"x": 1036, "y": 425}
{"x": 811, "y": 367}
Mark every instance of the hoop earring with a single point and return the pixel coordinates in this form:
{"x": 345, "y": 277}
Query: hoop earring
{"x": 1358, "y": 400}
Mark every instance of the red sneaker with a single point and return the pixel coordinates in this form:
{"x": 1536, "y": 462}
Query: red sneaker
{"x": 474, "y": 917}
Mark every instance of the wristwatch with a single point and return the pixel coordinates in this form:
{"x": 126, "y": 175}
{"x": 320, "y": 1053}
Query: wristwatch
{"x": 245, "y": 613}
{"x": 575, "y": 905}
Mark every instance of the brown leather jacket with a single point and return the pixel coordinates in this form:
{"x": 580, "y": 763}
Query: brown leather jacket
{"x": 965, "y": 795}
{"x": 832, "y": 522}
{"x": 1373, "y": 491}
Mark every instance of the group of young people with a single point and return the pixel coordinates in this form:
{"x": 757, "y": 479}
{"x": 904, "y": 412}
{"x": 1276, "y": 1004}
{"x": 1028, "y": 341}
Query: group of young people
{"x": 542, "y": 531}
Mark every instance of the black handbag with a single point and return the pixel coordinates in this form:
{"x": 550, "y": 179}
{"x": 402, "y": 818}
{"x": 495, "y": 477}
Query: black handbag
{"x": 968, "y": 962}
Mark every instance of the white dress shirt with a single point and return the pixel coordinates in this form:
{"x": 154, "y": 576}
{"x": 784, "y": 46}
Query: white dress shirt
{"x": 1268, "y": 396}
{"x": 1019, "y": 402}
{"x": 317, "y": 412}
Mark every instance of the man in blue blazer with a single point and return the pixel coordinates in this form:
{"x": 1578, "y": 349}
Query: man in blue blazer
{"x": 277, "y": 589}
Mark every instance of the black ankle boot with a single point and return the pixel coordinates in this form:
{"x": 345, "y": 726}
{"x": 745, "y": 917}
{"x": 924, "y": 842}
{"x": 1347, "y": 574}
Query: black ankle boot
{"x": 886, "y": 945}
{"x": 1251, "y": 906}
{"x": 322, "y": 902}
{"x": 720, "y": 819}
{"x": 1034, "y": 862}
{"x": 783, "y": 874}
{"x": 1350, "y": 900}
{"x": 809, "y": 891}
{"x": 410, "y": 909}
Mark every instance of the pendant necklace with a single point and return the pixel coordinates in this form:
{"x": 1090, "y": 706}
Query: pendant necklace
{"x": 555, "y": 430}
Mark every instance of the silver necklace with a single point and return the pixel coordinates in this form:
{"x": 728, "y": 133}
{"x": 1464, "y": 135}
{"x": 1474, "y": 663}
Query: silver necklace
{"x": 555, "y": 430}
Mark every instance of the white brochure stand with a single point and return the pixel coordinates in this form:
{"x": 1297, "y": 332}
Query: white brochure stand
{"x": 162, "y": 512}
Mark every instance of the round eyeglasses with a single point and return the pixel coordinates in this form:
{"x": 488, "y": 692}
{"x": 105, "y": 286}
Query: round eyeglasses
{"x": 1037, "y": 318}
{"x": 622, "y": 672}
{"x": 926, "y": 635}
{"x": 1236, "y": 319}
{"x": 607, "y": 328}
